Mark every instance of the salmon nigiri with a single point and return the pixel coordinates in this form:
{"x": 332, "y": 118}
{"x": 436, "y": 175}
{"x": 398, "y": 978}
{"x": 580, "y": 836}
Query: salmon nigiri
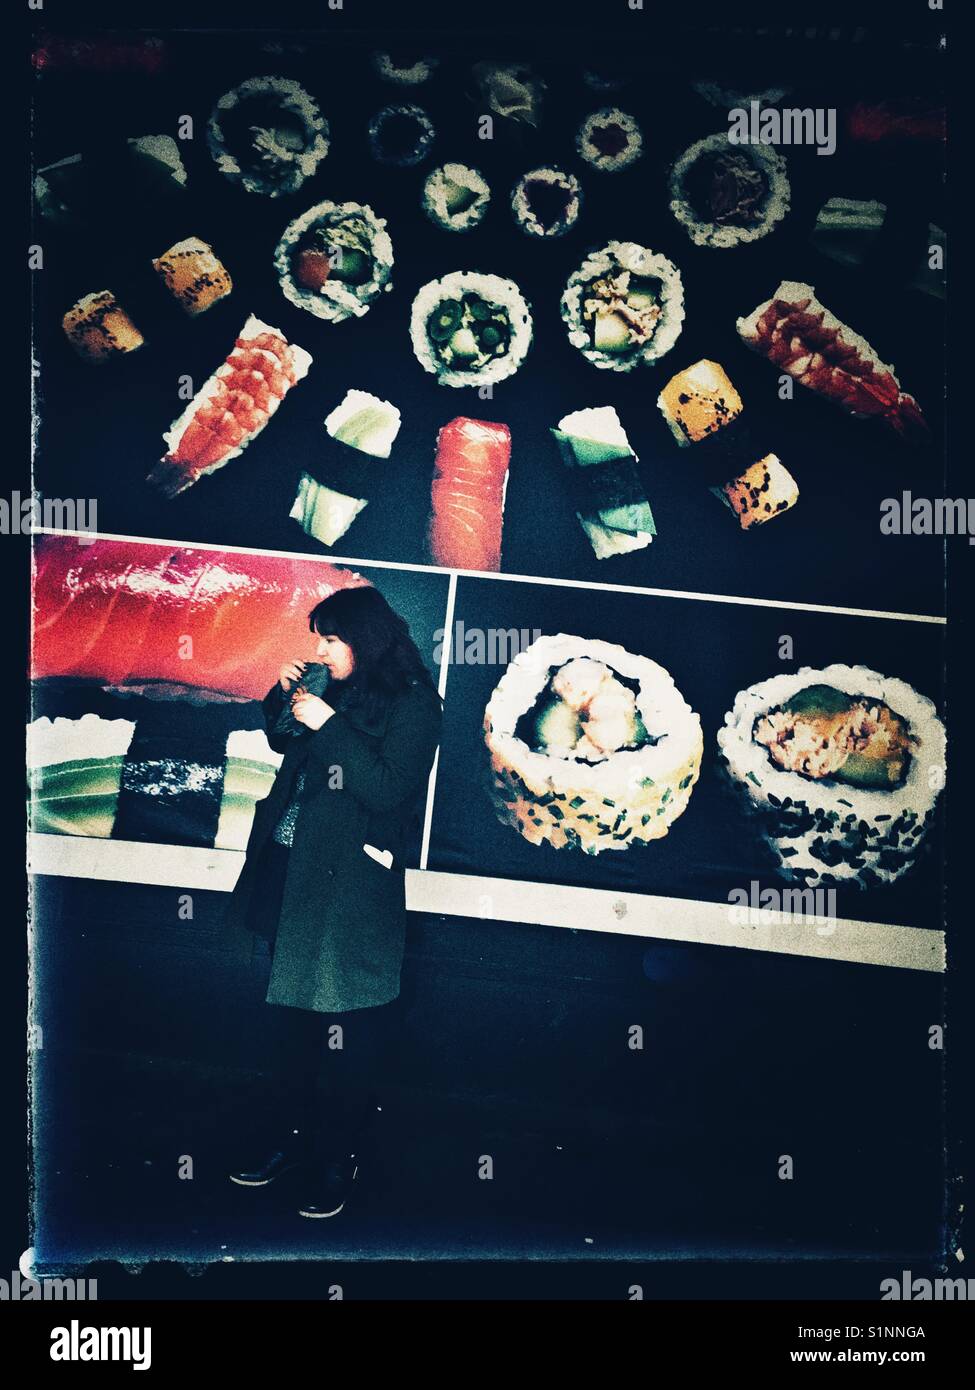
{"x": 120, "y": 613}
{"x": 467, "y": 494}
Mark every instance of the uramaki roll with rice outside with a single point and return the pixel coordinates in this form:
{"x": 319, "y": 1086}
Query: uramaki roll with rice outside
{"x": 591, "y": 746}
{"x": 842, "y": 768}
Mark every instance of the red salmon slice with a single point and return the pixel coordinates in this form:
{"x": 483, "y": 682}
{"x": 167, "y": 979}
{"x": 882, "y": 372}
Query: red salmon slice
{"x": 117, "y": 612}
{"x": 467, "y": 494}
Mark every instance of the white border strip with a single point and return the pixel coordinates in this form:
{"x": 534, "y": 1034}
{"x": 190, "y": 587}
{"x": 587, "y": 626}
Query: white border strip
{"x": 512, "y": 900}
{"x": 445, "y": 656}
{"x": 360, "y": 562}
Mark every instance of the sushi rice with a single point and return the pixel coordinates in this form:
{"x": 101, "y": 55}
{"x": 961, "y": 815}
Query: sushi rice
{"x": 525, "y": 215}
{"x": 336, "y": 300}
{"x": 438, "y": 189}
{"x": 823, "y": 830}
{"x": 611, "y": 260}
{"x": 591, "y": 153}
{"x": 420, "y": 71}
{"x": 499, "y": 293}
{"x": 630, "y": 796}
{"x": 283, "y": 170}
{"x": 769, "y": 163}
{"x": 425, "y": 135}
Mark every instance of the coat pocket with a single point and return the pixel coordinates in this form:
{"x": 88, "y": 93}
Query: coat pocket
{"x": 379, "y": 856}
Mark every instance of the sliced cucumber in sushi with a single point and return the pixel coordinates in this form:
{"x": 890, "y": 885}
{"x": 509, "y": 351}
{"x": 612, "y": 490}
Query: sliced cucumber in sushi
{"x": 859, "y": 770}
{"x": 557, "y": 726}
{"x": 642, "y": 293}
{"x": 610, "y": 333}
{"x": 351, "y": 266}
{"x": 443, "y": 321}
{"x": 818, "y": 701}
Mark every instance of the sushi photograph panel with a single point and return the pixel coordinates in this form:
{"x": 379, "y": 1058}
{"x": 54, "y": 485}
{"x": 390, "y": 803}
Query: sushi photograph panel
{"x": 696, "y": 750}
{"x": 152, "y": 669}
{"x": 595, "y": 338}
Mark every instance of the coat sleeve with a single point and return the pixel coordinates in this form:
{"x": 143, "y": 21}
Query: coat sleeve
{"x": 273, "y": 704}
{"x": 383, "y": 778}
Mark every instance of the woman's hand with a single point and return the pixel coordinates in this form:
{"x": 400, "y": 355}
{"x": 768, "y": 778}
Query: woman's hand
{"x": 290, "y": 672}
{"x": 310, "y": 710}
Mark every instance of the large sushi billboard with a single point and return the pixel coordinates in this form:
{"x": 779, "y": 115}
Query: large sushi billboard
{"x": 658, "y": 765}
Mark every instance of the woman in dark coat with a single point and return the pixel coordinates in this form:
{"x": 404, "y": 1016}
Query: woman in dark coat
{"x": 323, "y": 881}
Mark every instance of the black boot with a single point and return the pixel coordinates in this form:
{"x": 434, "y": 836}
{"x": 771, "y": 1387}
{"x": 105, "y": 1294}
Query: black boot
{"x": 338, "y": 1150}
{"x": 292, "y": 1151}
{"x": 328, "y": 1186}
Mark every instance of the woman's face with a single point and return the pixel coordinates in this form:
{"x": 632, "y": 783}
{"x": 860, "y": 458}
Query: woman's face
{"x": 337, "y": 656}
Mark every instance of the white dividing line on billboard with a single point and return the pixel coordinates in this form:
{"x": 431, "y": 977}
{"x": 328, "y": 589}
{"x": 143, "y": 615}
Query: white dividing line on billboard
{"x": 515, "y": 900}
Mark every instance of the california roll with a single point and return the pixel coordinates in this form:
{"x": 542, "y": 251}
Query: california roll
{"x": 591, "y": 746}
{"x": 841, "y": 766}
{"x": 624, "y": 306}
{"x": 404, "y": 69}
{"x": 609, "y": 140}
{"x": 401, "y": 135}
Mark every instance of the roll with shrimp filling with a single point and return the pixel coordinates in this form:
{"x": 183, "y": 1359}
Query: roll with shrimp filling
{"x": 591, "y": 746}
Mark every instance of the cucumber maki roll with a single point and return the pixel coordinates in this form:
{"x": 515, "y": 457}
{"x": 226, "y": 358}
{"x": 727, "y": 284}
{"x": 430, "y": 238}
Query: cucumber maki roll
{"x": 79, "y": 769}
{"x": 470, "y": 329}
{"x": 268, "y": 135}
{"x": 724, "y": 195}
{"x": 335, "y": 260}
{"x": 610, "y": 499}
{"x": 75, "y": 768}
{"x": 456, "y": 197}
{"x": 591, "y": 746}
{"x": 841, "y": 766}
{"x": 624, "y": 306}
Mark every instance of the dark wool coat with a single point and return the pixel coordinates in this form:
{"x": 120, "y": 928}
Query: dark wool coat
{"x": 342, "y": 926}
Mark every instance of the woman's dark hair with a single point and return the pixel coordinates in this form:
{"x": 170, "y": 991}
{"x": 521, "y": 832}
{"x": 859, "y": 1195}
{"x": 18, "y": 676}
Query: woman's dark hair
{"x": 386, "y": 657}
